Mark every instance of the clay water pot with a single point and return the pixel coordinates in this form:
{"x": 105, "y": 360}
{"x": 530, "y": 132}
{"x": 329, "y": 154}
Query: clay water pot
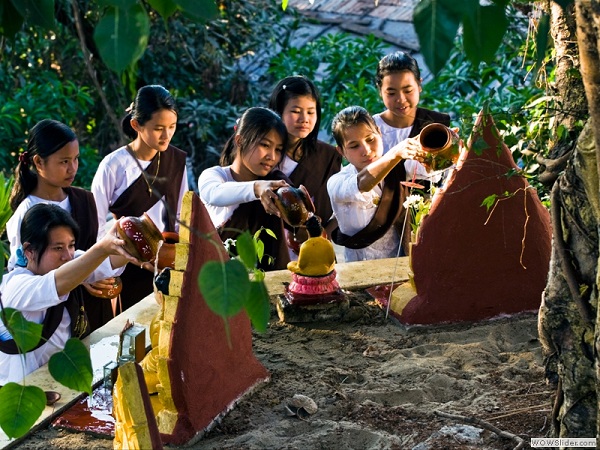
{"x": 112, "y": 291}
{"x": 166, "y": 253}
{"x": 441, "y": 144}
{"x": 294, "y": 204}
{"x": 140, "y": 235}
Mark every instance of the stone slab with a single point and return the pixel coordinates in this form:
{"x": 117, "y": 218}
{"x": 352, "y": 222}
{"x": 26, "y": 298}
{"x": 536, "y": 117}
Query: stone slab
{"x": 320, "y": 312}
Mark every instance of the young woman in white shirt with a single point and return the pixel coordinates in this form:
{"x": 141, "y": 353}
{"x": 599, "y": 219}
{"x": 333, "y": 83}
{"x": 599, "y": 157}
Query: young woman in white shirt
{"x": 39, "y": 287}
{"x": 367, "y": 194}
{"x": 239, "y": 194}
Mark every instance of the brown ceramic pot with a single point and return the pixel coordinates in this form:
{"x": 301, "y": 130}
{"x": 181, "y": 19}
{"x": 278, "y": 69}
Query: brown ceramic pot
{"x": 112, "y": 291}
{"x": 294, "y": 204}
{"x": 441, "y": 144}
{"x": 166, "y": 253}
{"x": 140, "y": 235}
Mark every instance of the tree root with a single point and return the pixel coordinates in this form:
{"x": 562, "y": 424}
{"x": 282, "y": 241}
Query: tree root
{"x": 565, "y": 263}
{"x": 488, "y": 426}
{"x": 520, "y": 410}
{"x": 552, "y": 167}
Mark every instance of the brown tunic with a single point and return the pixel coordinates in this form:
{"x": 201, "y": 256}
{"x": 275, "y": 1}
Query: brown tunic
{"x": 252, "y": 216}
{"x": 313, "y": 171}
{"x": 83, "y": 211}
{"x": 136, "y": 200}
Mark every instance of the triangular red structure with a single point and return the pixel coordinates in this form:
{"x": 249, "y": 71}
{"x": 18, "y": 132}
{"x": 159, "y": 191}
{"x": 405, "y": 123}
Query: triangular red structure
{"x": 470, "y": 264}
{"x": 207, "y": 376}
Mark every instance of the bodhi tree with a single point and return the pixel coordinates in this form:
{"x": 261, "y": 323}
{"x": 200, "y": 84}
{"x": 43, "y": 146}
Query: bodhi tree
{"x": 569, "y": 325}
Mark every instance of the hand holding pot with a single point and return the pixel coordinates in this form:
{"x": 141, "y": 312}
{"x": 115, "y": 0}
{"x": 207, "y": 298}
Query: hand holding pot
{"x": 140, "y": 235}
{"x": 294, "y": 204}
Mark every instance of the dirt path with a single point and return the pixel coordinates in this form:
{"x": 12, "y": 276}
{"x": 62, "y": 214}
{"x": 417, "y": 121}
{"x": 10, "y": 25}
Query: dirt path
{"x": 377, "y": 385}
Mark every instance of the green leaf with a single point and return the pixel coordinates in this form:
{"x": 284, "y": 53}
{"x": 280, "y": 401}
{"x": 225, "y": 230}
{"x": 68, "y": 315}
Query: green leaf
{"x": 284, "y": 4}
{"x": 224, "y": 286}
{"x": 199, "y": 9}
{"x": 479, "y": 146}
{"x": 166, "y": 8}
{"x": 36, "y": 12}
{"x": 436, "y": 24}
{"x": 541, "y": 40}
{"x": 122, "y": 36}
{"x": 11, "y": 20}
{"x": 483, "y": 32}
{"x": 489, "y": 201}
{"x": 246, "y": 249}
{"x": 123, "y": 4}
{"x": 258, "y": 306}
{"x": 72, "y": 367}
{"x": 20, "y": 407}
{"x": 260, "y": 250}
{"x": 25, "y": 333}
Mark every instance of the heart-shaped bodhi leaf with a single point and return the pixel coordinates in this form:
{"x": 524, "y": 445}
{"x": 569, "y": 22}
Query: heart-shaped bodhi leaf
{"x": 20, "y": 407}
{"x": 225, "y": 287}
{"x": 246, "y": 249}
{"x": 258, "y": 306}
{"x": 72, "y": 367}
{"x": 25, "y": 333}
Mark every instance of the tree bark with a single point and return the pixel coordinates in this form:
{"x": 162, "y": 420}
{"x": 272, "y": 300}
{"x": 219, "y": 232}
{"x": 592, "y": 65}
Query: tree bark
{"x": 568, "y": 316}
{"x": 588, "y": 37}
{"x": 568, "y": 84}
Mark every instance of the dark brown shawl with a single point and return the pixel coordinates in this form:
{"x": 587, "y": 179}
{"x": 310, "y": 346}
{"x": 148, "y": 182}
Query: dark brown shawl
{"x": 136, "y": 200}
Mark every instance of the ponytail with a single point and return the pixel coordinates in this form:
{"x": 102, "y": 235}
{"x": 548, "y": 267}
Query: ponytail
{"x": 25, "y": 181}
{"x": 45, "y": 138}
{"x": 228, "y": 152}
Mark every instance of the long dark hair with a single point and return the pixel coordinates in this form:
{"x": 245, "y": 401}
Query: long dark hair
{"x": 254, "y": 124}
{"x": 292, "y": 87}
{"x": 148, "y": 100}
{"x": 349, "y": 117}
{"x": 395, "y": 63}
{"x": 45, "y": 138}
{"x": 39, "y": 220}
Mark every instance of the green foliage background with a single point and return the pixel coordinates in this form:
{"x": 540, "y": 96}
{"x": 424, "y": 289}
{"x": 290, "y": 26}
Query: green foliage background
{"x": 205, "y": 65}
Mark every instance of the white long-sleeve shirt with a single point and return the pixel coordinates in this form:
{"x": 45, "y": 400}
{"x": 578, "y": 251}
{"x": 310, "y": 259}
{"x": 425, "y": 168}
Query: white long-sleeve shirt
{"x": 354, "y": 210}
{"x": 116, "y": 172}
{"x": 32, "y": 295}
{"x": 221, "y": 194}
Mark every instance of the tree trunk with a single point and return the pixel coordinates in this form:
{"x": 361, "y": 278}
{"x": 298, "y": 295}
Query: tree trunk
{"x": 569, "y": 314}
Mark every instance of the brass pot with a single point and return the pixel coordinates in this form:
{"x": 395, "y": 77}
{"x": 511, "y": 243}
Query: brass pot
{"x": 441, "y": 144}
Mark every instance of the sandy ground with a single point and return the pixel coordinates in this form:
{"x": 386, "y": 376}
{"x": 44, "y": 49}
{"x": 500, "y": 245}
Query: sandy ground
{"x": 377, "y": 385}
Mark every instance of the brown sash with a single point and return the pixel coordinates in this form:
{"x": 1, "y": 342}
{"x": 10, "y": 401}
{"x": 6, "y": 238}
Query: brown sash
{"x": 51, "y": 322}
{"x": 389, "y": 212}
{"x": 252, "y": 216}
{"x": 83, "y": 211}
{"x": 135, "y": 200}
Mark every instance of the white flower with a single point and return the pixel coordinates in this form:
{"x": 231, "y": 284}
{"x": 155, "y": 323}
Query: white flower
{"x": 413, "y": 200}
{"x": 228, "y": 244}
